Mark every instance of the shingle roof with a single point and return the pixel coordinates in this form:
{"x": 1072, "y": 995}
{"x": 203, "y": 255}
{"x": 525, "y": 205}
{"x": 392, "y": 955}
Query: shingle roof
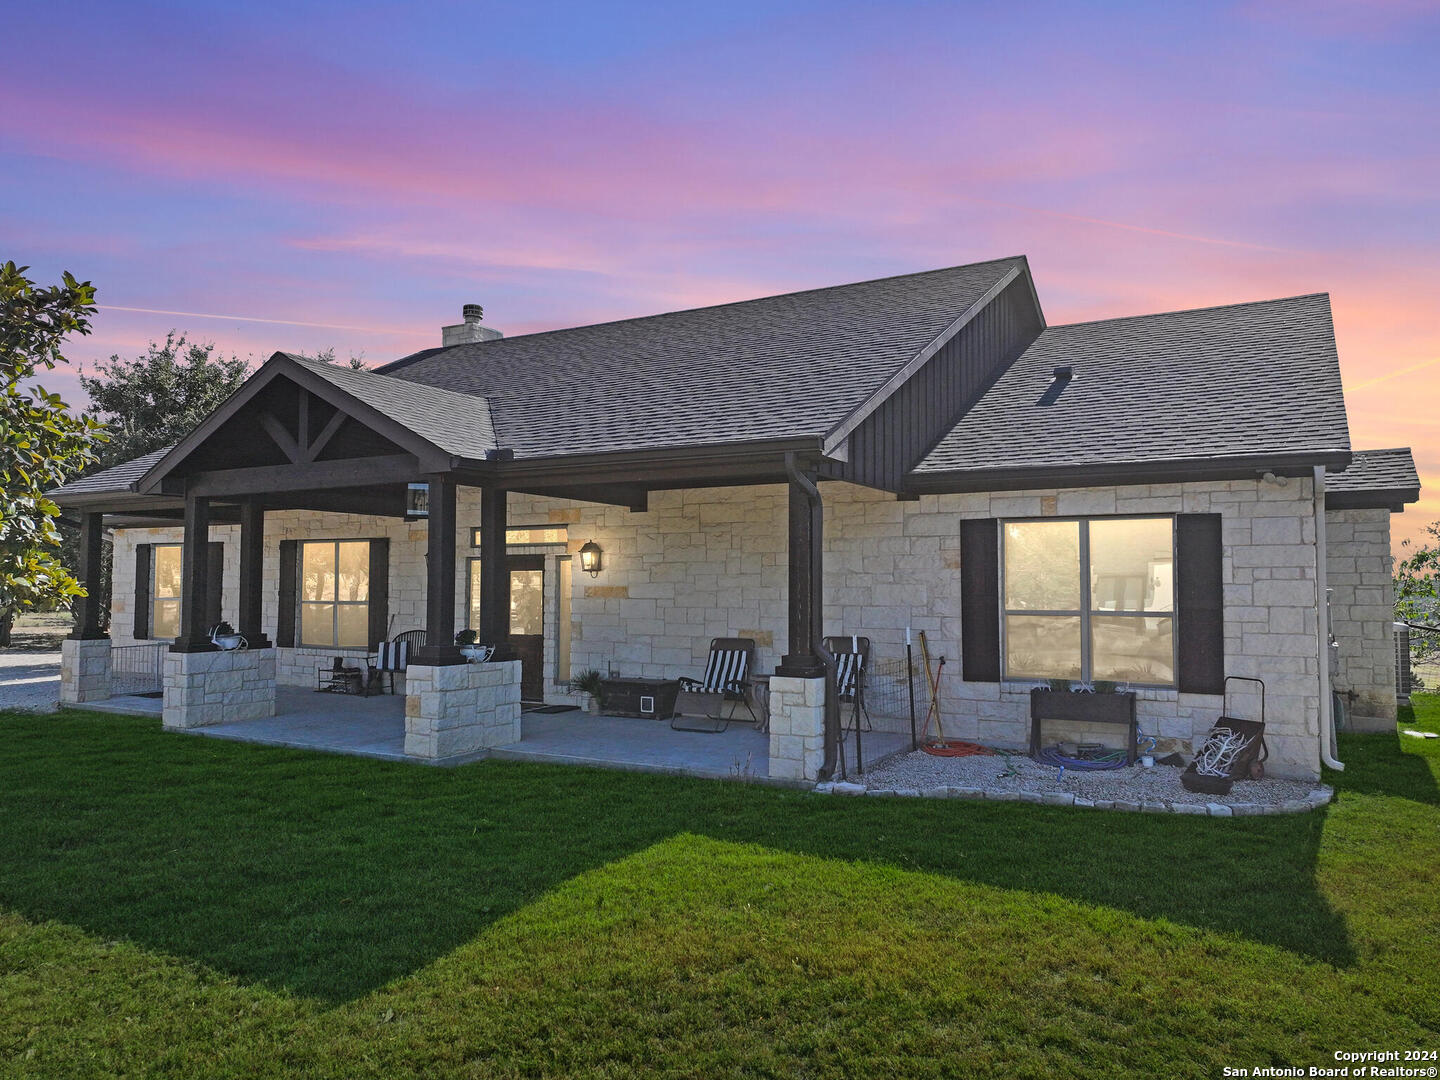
{"x": 778, "y": 367}
{"x": 1238, "y": 380}
{"x": 114, "y": 479}
{"x": 459, "y": 424}
{"x": 1377, "y": 470}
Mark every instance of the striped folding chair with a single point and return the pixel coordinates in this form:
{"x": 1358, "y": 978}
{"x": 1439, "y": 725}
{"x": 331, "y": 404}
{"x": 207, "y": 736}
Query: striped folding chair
{"x": 394, "y": 655}
{"x": 851, "y": 657}
{"x": 727, "y": 676}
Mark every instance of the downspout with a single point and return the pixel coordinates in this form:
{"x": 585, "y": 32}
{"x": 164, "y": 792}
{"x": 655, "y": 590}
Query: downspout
{"x": 1322, "y": 633}
{"x": 817, "y": 637}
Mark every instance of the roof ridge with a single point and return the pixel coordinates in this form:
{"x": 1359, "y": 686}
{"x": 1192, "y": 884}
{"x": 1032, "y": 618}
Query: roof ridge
{"x": 739, "y": 303}
{"x": 1190, "y": 311}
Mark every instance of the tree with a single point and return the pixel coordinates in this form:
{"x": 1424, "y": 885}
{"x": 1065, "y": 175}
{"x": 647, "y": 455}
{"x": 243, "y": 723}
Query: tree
{"x": 160, "y": 397}
{"x": 1417, "y": 593}
{"x": 41, "y": 442}
{"x": 356, "y": 362}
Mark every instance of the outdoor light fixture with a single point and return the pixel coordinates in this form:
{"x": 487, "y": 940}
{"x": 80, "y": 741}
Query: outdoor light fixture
{"x": 417, "y": 502}
{"x": 591, "y": 558}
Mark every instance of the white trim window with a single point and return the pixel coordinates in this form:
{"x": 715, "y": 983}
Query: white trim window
{"x": 335, "y": 593}
{"x": 1089, "y": 599}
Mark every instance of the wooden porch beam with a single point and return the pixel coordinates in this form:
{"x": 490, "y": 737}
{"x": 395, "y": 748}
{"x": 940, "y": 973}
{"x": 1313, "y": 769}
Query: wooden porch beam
{"x": 439, "y": 649}
{"x": 304, "y": 476}
{"x": 252, "y": 573}
{"x": 276, "y": 430}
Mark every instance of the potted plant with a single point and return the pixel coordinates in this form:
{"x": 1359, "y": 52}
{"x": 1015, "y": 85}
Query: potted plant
{"x": 224, "y": 637}
{"x": 588, "y": 683}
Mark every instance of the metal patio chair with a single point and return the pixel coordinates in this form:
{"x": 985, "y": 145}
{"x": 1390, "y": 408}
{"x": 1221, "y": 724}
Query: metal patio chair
{"x": 393, "y": 656}
{"x": 727, "y": 676}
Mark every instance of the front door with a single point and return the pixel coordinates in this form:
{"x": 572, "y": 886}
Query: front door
{"x": 527, "y": 622}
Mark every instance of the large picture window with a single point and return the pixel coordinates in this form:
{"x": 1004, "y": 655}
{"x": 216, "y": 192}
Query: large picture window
{"x": 335, "y": 593}
{"x": 1090, "y": 598}
{"x": 165, "y": 562}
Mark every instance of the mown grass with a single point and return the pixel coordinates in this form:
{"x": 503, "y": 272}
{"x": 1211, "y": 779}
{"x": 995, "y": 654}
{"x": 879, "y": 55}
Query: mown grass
{"x": 181, "y": 906}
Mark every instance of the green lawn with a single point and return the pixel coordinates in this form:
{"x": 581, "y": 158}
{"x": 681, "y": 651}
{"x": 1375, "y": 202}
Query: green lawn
{"x": 190, "y": 907}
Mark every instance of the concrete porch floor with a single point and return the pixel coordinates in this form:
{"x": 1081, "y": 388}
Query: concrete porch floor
{"x": 374, "y": 727}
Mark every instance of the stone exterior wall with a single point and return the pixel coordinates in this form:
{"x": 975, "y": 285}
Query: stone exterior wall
{"x": 204, "y": 688}
{"x": 460, "y": 709}
{"x": 711, "y": 563}
{"x": 1362, "y": 611}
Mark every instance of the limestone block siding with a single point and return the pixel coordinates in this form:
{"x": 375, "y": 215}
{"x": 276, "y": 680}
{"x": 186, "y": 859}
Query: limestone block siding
{"x": 1362, "y": 611}
{"x": 708, "y": 563}
{"x": 206, "y": 688}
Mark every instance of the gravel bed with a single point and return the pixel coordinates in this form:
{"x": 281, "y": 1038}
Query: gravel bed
{"x": 1135, "y": 783}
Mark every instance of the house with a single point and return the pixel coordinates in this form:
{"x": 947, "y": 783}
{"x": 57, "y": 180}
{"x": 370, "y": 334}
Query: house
{"x": 1159, "y": 501}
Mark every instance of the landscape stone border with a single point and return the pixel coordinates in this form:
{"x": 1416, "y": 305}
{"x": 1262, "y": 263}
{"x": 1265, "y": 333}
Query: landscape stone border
{"x": 1321, "y": 796}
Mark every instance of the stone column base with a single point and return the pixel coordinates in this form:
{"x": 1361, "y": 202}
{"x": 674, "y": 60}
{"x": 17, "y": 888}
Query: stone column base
{"x": 204, "y": 688}
{"x": 457, "y": 709}
{"x": 797, "y": 728}
{"x": 84, "y": 670}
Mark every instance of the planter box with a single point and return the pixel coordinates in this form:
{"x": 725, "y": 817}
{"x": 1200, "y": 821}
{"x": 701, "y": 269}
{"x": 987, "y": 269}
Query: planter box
{"x": 649, "y": 699}
{"x": 1083, "y": 709}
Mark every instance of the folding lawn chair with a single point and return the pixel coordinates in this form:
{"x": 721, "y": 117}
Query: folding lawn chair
{"x": 727, "y": 675}
{"x": 393, "y": 656}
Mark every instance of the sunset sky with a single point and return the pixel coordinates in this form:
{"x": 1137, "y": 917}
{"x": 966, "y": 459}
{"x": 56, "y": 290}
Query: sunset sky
{"x": 307, "y": 175}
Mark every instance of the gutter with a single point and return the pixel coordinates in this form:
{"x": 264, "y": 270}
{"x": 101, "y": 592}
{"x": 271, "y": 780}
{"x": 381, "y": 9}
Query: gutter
{"x": 1322, "y": 632}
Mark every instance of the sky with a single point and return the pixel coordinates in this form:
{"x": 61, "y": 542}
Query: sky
{"x": 308, "y": 175}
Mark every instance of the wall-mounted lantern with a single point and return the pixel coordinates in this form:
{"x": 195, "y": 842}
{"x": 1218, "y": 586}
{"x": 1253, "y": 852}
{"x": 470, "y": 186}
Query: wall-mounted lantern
{"x": 592, "y": 558}
{"x": 417, "y": 502}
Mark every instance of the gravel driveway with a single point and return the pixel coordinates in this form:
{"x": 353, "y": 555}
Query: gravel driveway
{"x": 29, "y": 680}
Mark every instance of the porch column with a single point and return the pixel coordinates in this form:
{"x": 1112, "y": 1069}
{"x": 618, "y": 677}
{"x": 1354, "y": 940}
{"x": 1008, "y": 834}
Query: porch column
{"x": 494, "y": 625}
{"x": 195, "y": 578}
{"x": 252, "y": 572}
{"x": 439, "y": 648}
{"x": 806, "y": 597}
{"x": 85, "y": 654}
{"x": 87, "y": 608}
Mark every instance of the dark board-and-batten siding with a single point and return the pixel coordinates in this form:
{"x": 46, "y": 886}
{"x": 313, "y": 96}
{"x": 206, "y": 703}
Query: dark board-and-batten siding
{"x": 893, "y": 439}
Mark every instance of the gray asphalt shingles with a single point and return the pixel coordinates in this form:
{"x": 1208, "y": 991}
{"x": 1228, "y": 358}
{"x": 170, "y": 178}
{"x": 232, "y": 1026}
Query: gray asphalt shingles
{"x": 777, "y": 367}
{"x": 1377, "y": 470}
{"x": 1208, "y": 383}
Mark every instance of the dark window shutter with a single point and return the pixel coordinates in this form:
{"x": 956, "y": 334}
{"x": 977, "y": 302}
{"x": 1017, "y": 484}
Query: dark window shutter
{"x": 379, "y": 590}
{"x": 1200, "y": 604}
{"x": 142, "y": 591}
{"x": 289, "y": 576}
{"x": 215, "y": 584}
{"x": 980, "y": 600}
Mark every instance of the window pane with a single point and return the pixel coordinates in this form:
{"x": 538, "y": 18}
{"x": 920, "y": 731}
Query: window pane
{"x": 1132, "y": 565}
{"x": 167, "y": 570}
{"x": 1132, "y": 648}
{"x": 1042, "y": 646}
{"x": 1042, "y": 565}
{"x": 317, "y": 624}
{"x": 527, "y": 604}
{"x": 354, "y": 571}
{"x": 474, "y": 623}
{"x": 354, "y": 626}
{"x": 165, "y": 623}
{"x": 317, "y": 575}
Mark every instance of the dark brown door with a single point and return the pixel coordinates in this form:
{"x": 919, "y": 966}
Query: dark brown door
{"x": 527, "y": 622}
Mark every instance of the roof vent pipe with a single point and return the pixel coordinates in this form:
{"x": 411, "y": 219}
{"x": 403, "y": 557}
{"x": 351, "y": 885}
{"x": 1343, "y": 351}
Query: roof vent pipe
{"x": 468, "y": 332}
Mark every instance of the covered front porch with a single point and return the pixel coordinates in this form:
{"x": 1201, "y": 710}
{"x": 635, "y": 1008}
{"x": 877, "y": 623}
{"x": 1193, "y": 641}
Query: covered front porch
{"x": 303, "y": 440}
